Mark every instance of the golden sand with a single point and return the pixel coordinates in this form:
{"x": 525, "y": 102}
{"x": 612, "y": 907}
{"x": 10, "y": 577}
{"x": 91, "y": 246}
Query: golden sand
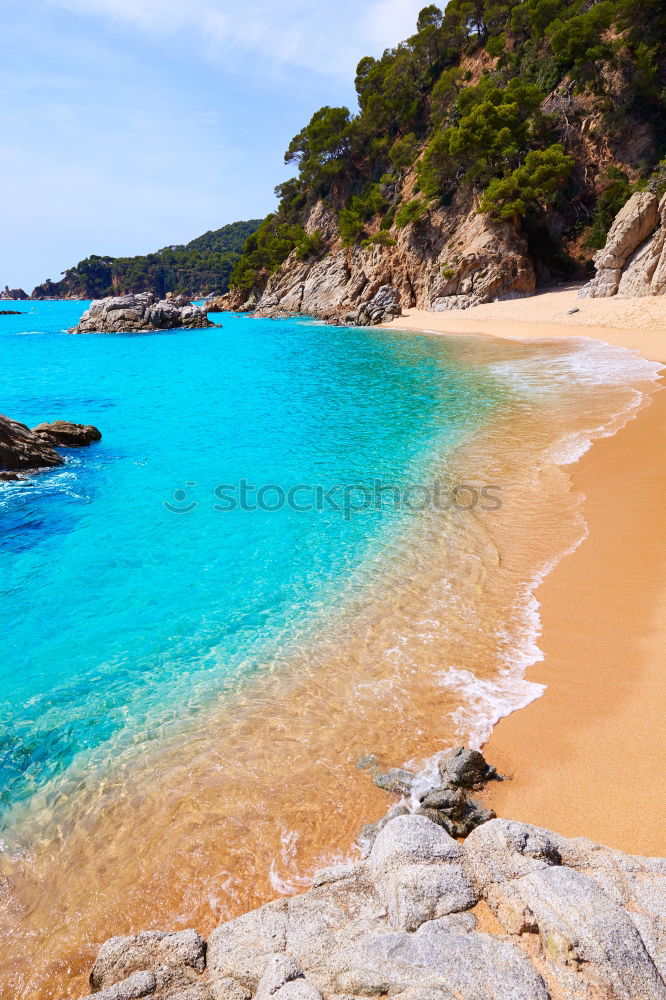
{"x": 586, "y": 758}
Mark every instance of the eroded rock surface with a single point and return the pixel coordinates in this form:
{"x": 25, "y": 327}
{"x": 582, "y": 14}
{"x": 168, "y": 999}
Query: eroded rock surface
{"x": 65, "y": 434}
{"x": 454, "y": 258}
{"x": 577, "y": 921}
{"x": 633, "y": 261}
{"x": 142, "y": 313}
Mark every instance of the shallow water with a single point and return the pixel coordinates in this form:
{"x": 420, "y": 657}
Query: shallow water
{"x": 184, "y": 694}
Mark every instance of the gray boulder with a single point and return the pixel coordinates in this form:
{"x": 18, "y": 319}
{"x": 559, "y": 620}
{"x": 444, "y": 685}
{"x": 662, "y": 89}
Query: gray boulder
{"x": 381, "y": 308}
{"x": 466, "y": 768}
{"x": 139, "y": 984}
{"x": 633, "y": 261}
{"x": 152, "y": 950}
{"x": 141, "y": 313}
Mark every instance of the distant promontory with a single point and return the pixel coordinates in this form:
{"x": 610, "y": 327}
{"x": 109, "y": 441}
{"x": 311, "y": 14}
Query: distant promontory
{"x": 194, "y": 269}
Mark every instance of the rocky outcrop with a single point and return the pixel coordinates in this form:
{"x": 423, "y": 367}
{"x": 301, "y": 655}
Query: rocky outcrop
{"x": 633, "y": 261}
{"x": 16, "y": 294}
{"x": 64, "y": 434}
{"x": 444, "y": 800}
{"x": 452, "y": 258}
{"x": 142, "y": 313}
{"x": 23, "y": 450}
{"x": 570, "y": 919}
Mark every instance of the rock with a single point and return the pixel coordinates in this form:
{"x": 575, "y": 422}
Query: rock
{"x": 466, "y": 768}
{"x": 230, "y": 989}
{"x": 139, "y": 984}
{"x": 298, "y": 989}
{"x": 584, "y": 934}
{"x": 471, "y": 966}
{"x": 152, "y": 950}
{"x": 281, "y": 969}
{"x": 579, "y": 921}
{"x": 570, "y": 312}
{"x": 141, "y": 313}
{"x": 382, "y": 308}
{"x": 633, "y": 261}
{"x": 10, "y": 312}
{"x": 22, "y": 449}
{"x": 410, "y": 882}
{"x": 370, "y": 831}
{"x": 455, "y": 258}
{"x": 396, "y": 780}
{"x": 64, "y": 434}
{"x": 242, "y": 948}
{"x": 448, "y": 800}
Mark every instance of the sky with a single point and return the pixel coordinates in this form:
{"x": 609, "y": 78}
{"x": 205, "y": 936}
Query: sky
{"x": 129, "y": 125}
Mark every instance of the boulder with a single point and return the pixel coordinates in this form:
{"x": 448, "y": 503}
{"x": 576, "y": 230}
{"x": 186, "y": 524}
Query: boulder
{"x": 151, "y": 950}
{"x": 141, "y": 313}
{"x": 633, "y": 261}
{"x": 381, "y": 308}
{"x": 22, "y": 450}
{"x": 64, "y": 434}
{"x": 466, "y": 769}
{"x": 577, "y": 920}
{"x": 139, "y": 984}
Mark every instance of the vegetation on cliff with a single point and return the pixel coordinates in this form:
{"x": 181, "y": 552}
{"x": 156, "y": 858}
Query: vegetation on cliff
{"x": 201, "y": 266}
{"x": 544, "y": 113}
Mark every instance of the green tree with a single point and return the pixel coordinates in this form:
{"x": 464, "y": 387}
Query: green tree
{"x": 530, "y": 186}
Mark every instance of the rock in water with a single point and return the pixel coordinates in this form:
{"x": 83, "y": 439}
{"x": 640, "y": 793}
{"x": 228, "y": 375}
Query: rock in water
{"x": 21, "y": 449}
{"x": 141, "y": 313}
{"x": 25, "y": 450}
{"x": 64, "y": 434}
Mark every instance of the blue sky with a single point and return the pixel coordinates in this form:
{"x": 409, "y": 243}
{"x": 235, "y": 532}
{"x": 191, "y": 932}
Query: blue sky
{"x": 127, "y": 125}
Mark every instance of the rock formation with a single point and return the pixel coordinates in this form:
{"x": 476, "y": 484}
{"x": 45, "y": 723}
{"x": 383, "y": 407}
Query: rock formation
{"x": 453, "y": 258}
{"x": 13, "y": 293}
{"x": 633, "y": 261}
{"x": 142, "y": 313}
{"x": 64, "y": 434}
{"x": 23, "y": 450}
{"x": 444, "y": 800}
{"x": 569, "y": 920}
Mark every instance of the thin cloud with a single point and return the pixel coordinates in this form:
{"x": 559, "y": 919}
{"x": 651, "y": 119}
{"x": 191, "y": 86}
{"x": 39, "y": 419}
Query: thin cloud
{"x": 321, "y": 38}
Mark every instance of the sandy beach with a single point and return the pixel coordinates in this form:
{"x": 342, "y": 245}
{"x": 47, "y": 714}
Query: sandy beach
{"x": 585, "y": 758}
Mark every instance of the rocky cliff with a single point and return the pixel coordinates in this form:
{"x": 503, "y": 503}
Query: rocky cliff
{"x": 453, "y": 258}
{"x": 13, "y": 294}
{"x": 513, "y": 913}
{"x": 633, "y": 261}
{"x": 141, "y": 314}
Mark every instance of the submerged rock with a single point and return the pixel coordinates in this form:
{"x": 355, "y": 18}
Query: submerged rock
{"x": 142, "y": 313}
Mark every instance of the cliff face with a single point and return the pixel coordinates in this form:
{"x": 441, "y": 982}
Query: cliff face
{"x": 453, "y": 258}
{"x": 633, "y": 261}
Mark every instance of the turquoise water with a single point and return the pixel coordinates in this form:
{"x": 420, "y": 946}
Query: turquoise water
{"x": 121, "y": 614}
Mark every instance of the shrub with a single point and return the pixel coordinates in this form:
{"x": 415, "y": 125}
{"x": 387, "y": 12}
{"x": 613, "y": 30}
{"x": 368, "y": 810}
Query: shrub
{"x": 411, "y": 211}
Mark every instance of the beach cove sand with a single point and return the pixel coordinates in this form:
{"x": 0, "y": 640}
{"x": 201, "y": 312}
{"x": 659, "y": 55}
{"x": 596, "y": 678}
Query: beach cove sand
{"x": 586, "y": 757}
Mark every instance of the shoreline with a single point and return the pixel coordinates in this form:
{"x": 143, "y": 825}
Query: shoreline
{"x": 584, "y": 757}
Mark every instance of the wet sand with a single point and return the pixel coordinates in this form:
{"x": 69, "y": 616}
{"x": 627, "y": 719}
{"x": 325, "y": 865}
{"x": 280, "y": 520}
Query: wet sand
{"x": 586, "y": 758}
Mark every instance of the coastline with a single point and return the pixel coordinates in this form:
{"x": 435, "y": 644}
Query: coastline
{"x": 585, "y": 755}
